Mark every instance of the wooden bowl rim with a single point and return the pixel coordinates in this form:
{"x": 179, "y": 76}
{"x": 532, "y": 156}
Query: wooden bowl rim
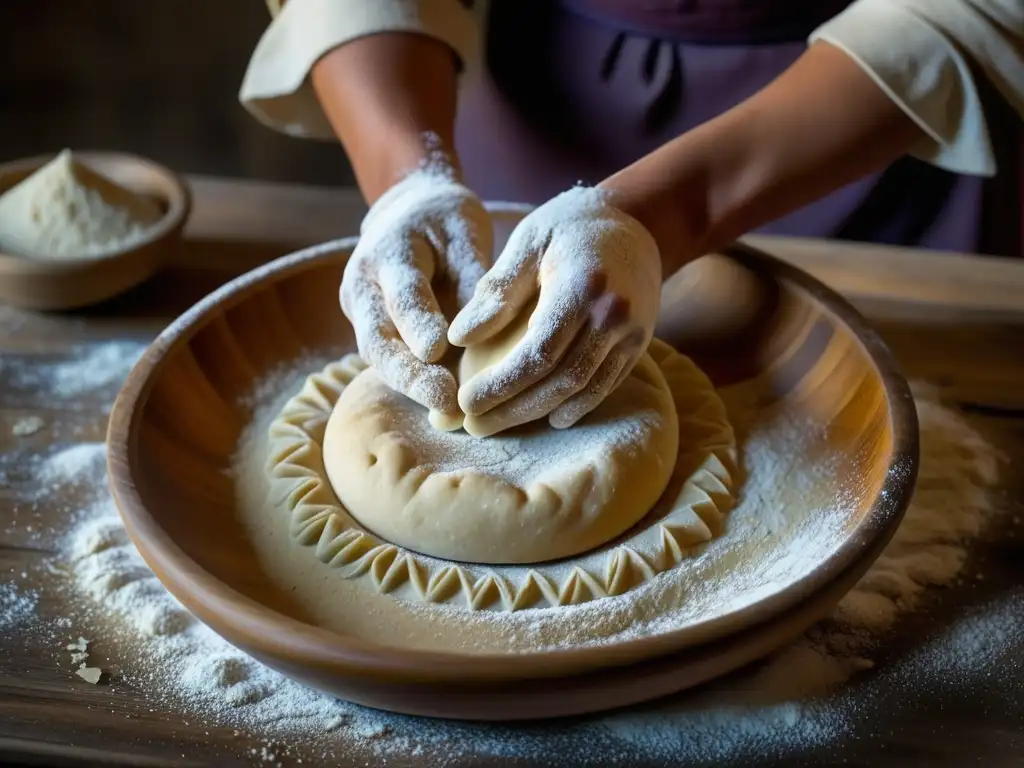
{"x": 250, "y": 624}
{"x": 172, "y": 185}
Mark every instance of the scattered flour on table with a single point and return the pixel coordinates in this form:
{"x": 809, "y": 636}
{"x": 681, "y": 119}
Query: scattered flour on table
{"x": 977, "y": 642}
{"x": 16, "y": 606}
{"x": 26, "y": 426}
{"x": 177, "y": 660}
{"x": 36, "y": 476}
{"x": 75, "y": 464}
{"x": 92, "y": 367}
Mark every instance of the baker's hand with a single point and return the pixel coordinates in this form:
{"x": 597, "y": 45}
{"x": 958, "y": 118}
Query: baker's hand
{"x": 598, "y": 274}
{"x": 424, "y": 227}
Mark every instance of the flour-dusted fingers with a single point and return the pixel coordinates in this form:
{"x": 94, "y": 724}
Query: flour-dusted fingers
{"x": 362, "y": 302}
{"x": 432, "y": 386}
{"x": 502, "y": 293}
{"x": 575, "y": 372}
{"x": 553, "y": 326}
{"x": 381, "y": 346}
{"x": 404, "y": 278}
{"x": 497, "y": 420}
{"x": 591, "y": 266}
{"x": 613, "y": 370}
{"x": 425, "y": 227}
{"x": 356, "y": 281}
{"x": 469, "y": 244}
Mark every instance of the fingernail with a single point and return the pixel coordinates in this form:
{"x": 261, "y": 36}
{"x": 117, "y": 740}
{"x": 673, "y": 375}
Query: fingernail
{"x": 561, "y": 420}
{"x": 460, "y": 328}
{"x": 470, "y": 318}
{"x": 434, "y": 349}
{"x": 467, "y": 401}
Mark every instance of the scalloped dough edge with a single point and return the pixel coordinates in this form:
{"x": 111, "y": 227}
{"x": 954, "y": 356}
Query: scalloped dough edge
{"x": 299, "y": 484}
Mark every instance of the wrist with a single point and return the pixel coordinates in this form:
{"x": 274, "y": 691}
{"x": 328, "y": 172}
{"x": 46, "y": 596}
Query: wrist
{"x": 392, "y": 156}
{"x": 819, "y": 126}
{"x": 676, "y": 217}
{"x": 391, "y": 99}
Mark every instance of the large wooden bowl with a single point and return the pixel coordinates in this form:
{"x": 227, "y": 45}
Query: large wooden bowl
{"x": 771, "y": 337}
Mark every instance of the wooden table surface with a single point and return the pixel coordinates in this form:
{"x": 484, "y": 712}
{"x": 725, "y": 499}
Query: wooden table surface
{"x": 955, "y": 321}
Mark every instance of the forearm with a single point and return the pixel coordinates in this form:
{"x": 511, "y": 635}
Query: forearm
{"x": 391, "y": 101}
{"x": 819, "y": 126}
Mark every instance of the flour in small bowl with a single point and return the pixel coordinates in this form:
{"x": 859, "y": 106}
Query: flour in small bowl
{"x": 67, "y": 210}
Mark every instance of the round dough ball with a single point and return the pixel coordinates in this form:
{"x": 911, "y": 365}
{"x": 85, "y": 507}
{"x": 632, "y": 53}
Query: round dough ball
{"x": 528, "y": 495}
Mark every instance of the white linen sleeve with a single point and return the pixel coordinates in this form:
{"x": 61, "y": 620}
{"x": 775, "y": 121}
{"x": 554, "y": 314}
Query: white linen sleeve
{"x": 927, "y": 55}
{"x": 276, "y": 89}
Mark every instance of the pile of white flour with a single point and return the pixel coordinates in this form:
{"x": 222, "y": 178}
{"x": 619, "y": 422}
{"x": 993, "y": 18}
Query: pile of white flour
{"x": 67, "y": 210}
{"x": 782, "y": 707}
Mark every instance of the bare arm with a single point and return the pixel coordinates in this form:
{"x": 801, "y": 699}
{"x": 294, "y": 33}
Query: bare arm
{"x": 384, "y": 95}
{"x": 822, "y": 124}
{"x": 390, "y": 99}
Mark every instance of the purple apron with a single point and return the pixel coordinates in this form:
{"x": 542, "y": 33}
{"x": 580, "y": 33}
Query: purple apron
{"x": 574, "y": 90}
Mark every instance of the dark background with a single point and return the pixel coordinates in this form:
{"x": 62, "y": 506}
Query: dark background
{"x": 160, "y": 78}
{"x": 156, "y": 77}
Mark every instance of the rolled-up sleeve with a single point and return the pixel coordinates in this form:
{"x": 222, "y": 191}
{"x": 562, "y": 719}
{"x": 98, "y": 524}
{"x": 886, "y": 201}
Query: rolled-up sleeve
{"x": 927, "y": 55}
{"x": 276, "y": 88}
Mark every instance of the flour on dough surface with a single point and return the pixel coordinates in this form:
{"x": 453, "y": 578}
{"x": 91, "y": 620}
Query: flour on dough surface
{"x": 689, "y": 513}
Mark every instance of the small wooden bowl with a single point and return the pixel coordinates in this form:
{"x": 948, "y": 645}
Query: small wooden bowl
{"x": 73, "y": 283}
{"x": 790, "y": 346}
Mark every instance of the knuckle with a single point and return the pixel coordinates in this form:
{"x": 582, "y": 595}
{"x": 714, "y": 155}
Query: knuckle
{"x": 578, "y": 372}
{"x": 373, "y": 341}
{"x": 602, "y": 382}
{"x": 367, "y": 339}
{"x": 361, "y": 258}
{"x": 367, "y": 350}
{"x": 539, "y": 358}
{"x": 357, "y": 280}
{"x": 569, "y": 413}
{"x": 495, "y": 284}
{"x": 567, "y": 385}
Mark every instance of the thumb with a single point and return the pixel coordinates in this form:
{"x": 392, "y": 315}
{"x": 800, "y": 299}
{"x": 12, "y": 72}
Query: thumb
{"x": 500, "y": 294}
